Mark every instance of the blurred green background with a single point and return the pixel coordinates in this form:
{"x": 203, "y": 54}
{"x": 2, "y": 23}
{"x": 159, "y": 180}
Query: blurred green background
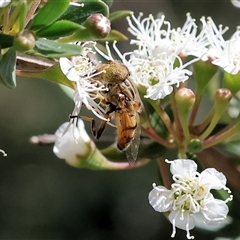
{"x": 41, "y": 197}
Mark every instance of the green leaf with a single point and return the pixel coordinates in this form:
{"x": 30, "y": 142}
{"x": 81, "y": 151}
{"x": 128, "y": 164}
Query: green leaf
{"x": 58, "y": 29}
{"x": 54, "y": 49}
{"x": 154, "y": 119}
{"x": 86, "y": 35}
{"x": 80, "y": 14}
{"x": 232, "y": 147}
{"x": 119, "y": 14}
{"x": 49, "y": 13}
{"x": 6, "y": 41}
{"x": 7, "y": 68}
{"x": 108, "y": 2}
{"x": 157, "y": 124}
{"x": 231, "y": 82}
{"x": 114, "y": 35}
{"x": 53, "y": 74}
{"x": 22, "y": 14}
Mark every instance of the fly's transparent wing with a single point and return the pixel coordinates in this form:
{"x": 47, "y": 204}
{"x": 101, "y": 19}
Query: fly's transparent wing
{"x": 132, "y": 150}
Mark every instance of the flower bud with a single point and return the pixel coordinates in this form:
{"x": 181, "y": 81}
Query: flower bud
{"x": 75, "y": 142}
{"x": 24, "y": 41}
{"x": 185, "y": 99}
{"x": 99, "y": 25}
{"x": 194, "y": 146}
{"x": 75, "y": 146}
{"x": 223, "y": 96}
{"x": 222, "y": 99}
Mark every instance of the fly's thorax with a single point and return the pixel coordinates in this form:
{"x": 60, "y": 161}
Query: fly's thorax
{"x": 113, "y": 71}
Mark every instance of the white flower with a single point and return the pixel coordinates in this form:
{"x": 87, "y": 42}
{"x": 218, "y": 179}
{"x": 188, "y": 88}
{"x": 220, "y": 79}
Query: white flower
{"x": 75, "y": 142}
{"x": 4, "y": 3}
{"x": 158, "y": 37}
{"x": 225, "y": 53}
{"x": 190, "y": 194}
{"x": 81, "y": 70}
{"x": 229, "y": 55}
{"x": 157, "y": 75}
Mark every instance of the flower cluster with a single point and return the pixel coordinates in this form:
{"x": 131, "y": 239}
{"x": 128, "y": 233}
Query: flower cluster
{"x": 129, "y": 94}
{"x": 190, "y": 194}
{"x": 161, "y": 61}
{"x": 157, "y": 63}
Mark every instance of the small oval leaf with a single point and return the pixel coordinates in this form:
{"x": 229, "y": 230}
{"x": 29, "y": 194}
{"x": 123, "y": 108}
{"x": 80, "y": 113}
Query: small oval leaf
{"x": 8, "y": 68}
{"x": 108, "y": 2}
{"x": 119, "y": 14}
{"x": 54, "y": 49}
{"x": 203, "y": 73}
{"x": 231, "y": 82}
{"x": 49, "y": 13}
{"x": 80, "y": 14}
{"x": 6, "y": 41}
{"x": 114, "y": 35}
{"x": 53, "y": 74}
{"x": 58, "y": 29}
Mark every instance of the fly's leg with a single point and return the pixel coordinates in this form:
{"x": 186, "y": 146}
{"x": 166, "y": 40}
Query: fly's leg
{"x": 97, "y": 133}
{"x": 112, "y": 108}
{"x": 93, "y": 123}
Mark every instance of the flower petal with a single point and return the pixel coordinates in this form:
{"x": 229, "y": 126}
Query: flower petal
{"x": 75, "y": 141}
{"x": 158, "y": 92}
{"x": 4, "y": 3}
{"x": 68, "y": 69}
{"x": 183, "y": 220}
{"x": 160, "y": 199}
{"x": 183, "y": 167}
{"x": 215, "y": 211}
{"x": 212, "y": 177}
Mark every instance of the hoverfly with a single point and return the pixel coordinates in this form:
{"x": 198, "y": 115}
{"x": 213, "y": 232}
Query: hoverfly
{"x": 122, "y": 102}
